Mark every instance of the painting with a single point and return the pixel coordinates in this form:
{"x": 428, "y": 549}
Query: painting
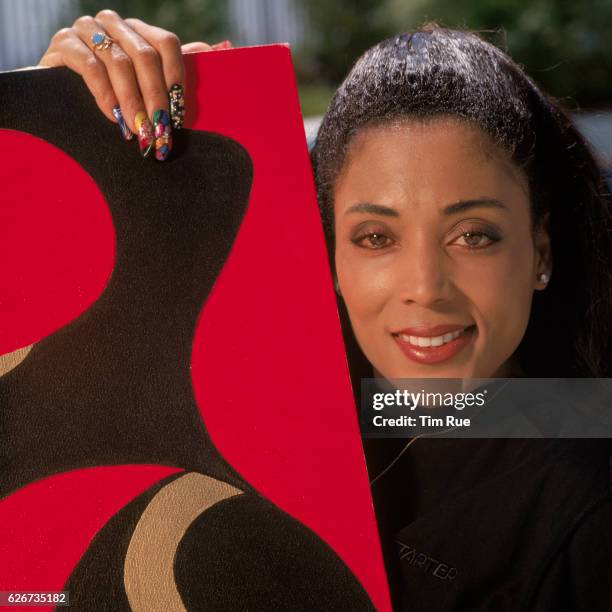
{"x": 177, "y": 427}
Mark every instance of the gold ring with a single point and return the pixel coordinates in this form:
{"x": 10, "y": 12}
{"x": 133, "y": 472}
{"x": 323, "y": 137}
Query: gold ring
{"x": 101, "y": 41}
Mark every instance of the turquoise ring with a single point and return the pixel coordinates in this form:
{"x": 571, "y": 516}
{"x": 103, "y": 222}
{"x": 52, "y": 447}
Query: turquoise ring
{"x": 101, "y": 41}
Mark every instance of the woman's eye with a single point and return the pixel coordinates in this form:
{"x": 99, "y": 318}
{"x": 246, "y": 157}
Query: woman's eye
{"x": 476, "y": 240}
{"x": 373, "y": 241}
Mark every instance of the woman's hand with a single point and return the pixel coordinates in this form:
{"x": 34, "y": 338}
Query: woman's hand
{"x": 134, "y": 70}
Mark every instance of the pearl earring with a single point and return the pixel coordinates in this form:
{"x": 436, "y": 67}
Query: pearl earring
{"x": 543, "y": 278}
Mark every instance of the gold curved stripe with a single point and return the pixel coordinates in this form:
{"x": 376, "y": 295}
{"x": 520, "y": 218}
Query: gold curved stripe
{"x": 149, "y": 563}
{"x": 9, "y": 361}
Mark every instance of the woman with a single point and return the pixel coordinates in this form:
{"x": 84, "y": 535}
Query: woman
{"x": 450, "y": 187}
{"x": 471, "y": 237}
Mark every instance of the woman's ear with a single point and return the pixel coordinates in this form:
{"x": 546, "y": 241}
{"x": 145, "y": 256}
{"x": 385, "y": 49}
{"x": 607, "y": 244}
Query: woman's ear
{"x": 543, "y": 253}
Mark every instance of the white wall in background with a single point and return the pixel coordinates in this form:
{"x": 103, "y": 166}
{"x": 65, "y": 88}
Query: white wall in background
{"x": 267, "y": 21}
{"x": 26, "y": 27}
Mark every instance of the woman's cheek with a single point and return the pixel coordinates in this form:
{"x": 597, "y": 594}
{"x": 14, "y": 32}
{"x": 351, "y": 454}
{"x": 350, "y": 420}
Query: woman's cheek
{"x": 501, "y": 300}
{"x": 365, "y": 285}
{"x": 361, "y": 283}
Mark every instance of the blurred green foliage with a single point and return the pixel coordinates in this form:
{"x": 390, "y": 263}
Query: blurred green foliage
{"x": 339, "y": 32}
{"x": 314, "y": 98}
{"x": 192, "y": 20}
{"x": 565, "y": 45}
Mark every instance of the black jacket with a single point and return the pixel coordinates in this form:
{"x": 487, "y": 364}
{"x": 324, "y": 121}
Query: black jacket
{"x": 497, "y": 524}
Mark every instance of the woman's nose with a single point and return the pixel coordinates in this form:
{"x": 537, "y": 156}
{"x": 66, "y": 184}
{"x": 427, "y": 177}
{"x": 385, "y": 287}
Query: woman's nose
{"x": 423, "y": 274}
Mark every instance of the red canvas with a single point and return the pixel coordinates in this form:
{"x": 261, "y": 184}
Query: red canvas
{"x": 268, "y": 367}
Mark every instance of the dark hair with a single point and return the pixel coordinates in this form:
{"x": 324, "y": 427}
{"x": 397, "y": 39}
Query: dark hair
{"x": 436, "y": 72}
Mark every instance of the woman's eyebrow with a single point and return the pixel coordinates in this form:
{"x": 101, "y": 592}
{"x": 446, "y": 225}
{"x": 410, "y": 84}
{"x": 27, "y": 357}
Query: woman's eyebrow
{"x": 376, "y": 209}
{"x": 464, "y": 205}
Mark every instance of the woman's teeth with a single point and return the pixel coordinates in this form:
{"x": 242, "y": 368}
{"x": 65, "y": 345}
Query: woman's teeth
{"x": 431, "y": 341}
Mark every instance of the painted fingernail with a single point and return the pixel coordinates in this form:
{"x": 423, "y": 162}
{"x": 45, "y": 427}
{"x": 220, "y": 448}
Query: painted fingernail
{"x": 125, "y": 130}
{"x": 177, "y": 106}
{"x": 144, "y": 128}
{"x": 163, "y": 134}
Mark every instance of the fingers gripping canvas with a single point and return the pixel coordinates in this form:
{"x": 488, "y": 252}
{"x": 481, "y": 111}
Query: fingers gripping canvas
{"x": 176, "y": 420}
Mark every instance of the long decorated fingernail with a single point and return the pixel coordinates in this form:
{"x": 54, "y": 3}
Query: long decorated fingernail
{"x": 145, "y": 133}
{"x": 163, "y": 134}
{"x": 177, "y": 106}
{"x": 125, "y": 130}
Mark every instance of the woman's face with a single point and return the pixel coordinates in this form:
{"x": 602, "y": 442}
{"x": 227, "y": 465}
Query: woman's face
{"x": 435, "y": 254}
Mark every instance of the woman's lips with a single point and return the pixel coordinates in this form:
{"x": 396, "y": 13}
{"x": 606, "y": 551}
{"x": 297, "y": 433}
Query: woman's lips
{"x": 434, "y": 354}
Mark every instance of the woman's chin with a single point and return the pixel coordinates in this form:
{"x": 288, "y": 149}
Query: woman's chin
{"x": 465, "y": 371}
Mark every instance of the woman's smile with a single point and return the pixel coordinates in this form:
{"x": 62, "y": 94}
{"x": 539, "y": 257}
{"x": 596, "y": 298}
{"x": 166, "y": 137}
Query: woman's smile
{"x": 423, "y": 347}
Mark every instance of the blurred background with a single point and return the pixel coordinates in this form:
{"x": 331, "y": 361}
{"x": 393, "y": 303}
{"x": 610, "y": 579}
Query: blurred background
{"x": 565, "y": 45}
